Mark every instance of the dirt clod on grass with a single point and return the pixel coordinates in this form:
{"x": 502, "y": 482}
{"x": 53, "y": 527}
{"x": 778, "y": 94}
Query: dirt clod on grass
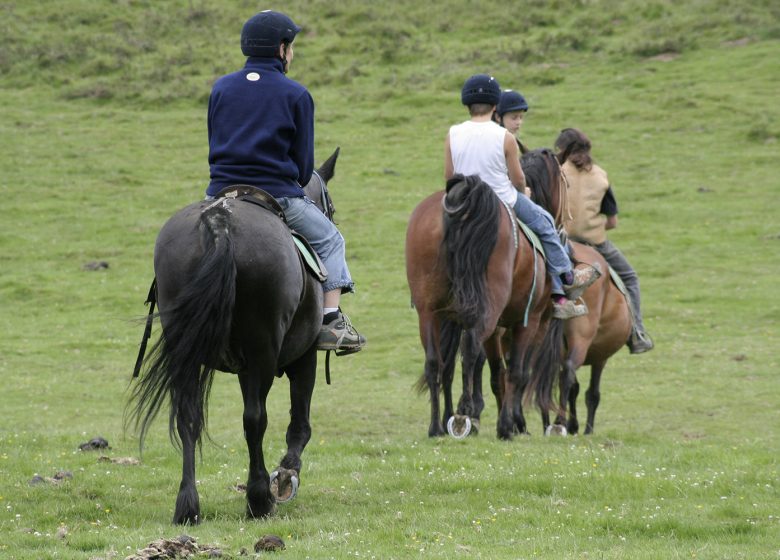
{"x": 269, "y": 543}
{"x": 182, "y": 546}
{"x": 95, "y": 443}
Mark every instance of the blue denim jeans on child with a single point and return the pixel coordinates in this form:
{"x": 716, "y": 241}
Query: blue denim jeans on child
{"x": 542, "y": 224}
{"x": 304, "y": 217}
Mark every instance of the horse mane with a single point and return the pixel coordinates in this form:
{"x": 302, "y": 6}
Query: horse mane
{"x": 471, "y": 221}
{"x": 543, "y": 176}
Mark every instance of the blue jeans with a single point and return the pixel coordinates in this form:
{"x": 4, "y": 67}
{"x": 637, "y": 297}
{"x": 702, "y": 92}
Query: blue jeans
{"x": 304, "y": 217}
{"x": 542, "y": 224}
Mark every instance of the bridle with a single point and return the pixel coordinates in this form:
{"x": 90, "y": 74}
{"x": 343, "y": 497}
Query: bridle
{"x": 317, "y": 190}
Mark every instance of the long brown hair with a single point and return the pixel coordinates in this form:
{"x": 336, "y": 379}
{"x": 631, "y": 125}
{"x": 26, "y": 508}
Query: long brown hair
{"x": 574, "y": 146}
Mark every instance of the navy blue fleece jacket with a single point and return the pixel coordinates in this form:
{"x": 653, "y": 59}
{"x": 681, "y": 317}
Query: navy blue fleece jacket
{"x": 261, "y": 130}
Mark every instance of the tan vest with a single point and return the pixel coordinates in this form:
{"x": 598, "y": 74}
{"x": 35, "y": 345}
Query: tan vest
{"x": 586, "y": 191}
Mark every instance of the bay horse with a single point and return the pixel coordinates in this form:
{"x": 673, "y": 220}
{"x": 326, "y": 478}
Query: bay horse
{"x": 470, "y": 271}
{"x": 234, "y": 295}
{"x": 590, "y": 339}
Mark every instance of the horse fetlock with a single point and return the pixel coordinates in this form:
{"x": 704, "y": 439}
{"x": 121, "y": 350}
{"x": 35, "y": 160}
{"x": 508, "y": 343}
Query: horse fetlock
{"x": 187, "y": 508}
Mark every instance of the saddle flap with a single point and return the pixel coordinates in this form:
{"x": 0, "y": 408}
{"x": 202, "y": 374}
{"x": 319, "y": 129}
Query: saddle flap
{"x": 310, "y": 257}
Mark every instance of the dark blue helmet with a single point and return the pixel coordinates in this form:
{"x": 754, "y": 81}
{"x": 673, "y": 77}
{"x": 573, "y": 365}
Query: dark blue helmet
{"x": 480, "y": 88}
{"x": 264, "y": 32}
{"x": 511, "y": 101}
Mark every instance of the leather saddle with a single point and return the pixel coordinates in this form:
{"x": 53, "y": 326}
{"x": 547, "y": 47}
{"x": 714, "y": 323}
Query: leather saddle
{"x": 258, "y": 197}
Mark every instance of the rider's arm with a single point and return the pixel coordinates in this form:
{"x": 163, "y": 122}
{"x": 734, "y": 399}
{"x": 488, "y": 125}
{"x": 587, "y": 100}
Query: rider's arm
{"x": 302, "y": 150}
{"x": 512, "y": 154}
{"x": 610, "y": 208}
{"x": 449, "y": 169}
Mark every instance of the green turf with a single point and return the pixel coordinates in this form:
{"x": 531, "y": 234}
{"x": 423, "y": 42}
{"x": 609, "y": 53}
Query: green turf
{"x": 103, "y": 136}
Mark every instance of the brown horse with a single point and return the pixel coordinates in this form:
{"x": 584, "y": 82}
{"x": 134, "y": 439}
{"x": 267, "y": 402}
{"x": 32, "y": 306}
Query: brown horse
{"x": 590, "y": 339}
{"x": 471, "y": 271}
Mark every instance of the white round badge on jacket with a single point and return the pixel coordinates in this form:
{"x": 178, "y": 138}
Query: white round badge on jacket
{"x": 253, "y": 76}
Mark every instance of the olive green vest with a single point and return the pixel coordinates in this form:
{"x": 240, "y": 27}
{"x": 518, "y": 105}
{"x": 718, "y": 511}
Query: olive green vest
{"x": 586, "y": 190}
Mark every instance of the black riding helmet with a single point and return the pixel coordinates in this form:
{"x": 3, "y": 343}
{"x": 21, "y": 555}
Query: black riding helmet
{"x": 511, "y": 101}
{"x": 480, "y": 88}
{"x": 264, "y": 32}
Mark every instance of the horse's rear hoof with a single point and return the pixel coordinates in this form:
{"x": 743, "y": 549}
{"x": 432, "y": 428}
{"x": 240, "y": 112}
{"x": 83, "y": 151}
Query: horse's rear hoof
{"x": 186, "y": 518}
{"x": 284, "y": 484}
{"x": 187, "y": 510}
{"x": 555, "y": 430}
{"x": 459, "y": 426}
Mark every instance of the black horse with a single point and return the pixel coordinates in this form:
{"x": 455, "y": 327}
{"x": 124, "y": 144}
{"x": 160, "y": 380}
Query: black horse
{"x": 234, "y": 295}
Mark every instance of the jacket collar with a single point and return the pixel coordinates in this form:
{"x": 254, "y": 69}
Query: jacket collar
{"x": 256, "y": 62}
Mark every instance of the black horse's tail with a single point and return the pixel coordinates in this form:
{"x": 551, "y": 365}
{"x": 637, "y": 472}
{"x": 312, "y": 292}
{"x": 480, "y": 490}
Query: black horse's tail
{"x": 471, "y": 222}
{"x": 196, "y": 331}
{"x": 546, "y": 363}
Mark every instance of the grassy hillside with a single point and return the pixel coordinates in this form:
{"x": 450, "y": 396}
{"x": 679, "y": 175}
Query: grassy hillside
{"x": 103, "y": 136}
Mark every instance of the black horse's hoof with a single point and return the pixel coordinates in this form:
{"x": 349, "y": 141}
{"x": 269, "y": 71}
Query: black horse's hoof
{"x": 284, "y": 484}
{"x": 459, "y": 426}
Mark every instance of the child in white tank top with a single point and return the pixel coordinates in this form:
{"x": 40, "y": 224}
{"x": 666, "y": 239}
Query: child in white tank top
{"x": 481, "y": 147}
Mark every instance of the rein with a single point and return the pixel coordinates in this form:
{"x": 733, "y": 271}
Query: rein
{"x": 324, "y": 203}
{"x": 151, "y": 299}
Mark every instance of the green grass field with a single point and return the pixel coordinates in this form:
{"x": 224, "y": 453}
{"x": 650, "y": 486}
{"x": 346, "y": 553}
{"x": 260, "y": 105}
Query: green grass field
{"x": 103, "y": 137}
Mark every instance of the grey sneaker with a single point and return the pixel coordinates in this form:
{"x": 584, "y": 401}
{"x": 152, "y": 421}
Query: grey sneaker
{"x": 583, "y": 277}
{"x": 569, "y": 309}
{"x": 640, "y": 342}
{"x": 341, "y": 336}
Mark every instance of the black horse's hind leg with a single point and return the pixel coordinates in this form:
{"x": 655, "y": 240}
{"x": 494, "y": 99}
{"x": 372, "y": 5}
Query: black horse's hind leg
{"x": 470, "y": 351}
{"x": 479, "y": 399}
{"x": 593, "y": 394}
{"x": 436, "y": 428}
{"x": 569, "y": 390}
{"x": 187, "y": 503}
{"x": 255, "y": 388}
{"x": 441, "y": 345}
{"x": 302, "y": 375}
{"x": 573, "y": 425}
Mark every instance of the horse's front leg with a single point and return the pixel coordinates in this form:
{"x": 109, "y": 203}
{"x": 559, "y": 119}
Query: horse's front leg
{"x": 254, "y": 388}
{"x": 187, "y": 503}
{"x": 302, "y": 375}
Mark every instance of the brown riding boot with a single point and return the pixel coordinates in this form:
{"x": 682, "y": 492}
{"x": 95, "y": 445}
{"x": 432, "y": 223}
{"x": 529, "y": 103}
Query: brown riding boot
{"x": 583, "y": 277}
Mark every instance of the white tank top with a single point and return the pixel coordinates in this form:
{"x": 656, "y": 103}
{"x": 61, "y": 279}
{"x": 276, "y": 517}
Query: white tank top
{"x": 478, "y": 149}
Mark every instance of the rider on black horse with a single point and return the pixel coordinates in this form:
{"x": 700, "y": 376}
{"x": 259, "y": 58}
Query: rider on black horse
{"x": 261, "y": 133}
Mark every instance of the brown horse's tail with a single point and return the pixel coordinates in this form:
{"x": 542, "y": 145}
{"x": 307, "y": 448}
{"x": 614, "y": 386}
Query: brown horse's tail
{"x": 546, "y": 363}
{"x": 197, "y": 324}
{"x": 471, "y": 222}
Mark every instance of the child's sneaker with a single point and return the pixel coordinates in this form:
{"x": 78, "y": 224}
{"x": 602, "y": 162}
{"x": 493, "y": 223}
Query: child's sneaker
{"x": 340, "y": 335}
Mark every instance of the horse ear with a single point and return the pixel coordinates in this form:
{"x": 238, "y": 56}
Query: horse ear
{"x": 328, "y": 169}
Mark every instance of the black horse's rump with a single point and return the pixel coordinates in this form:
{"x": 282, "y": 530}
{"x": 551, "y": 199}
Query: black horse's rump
{"x": 233, "y": 295}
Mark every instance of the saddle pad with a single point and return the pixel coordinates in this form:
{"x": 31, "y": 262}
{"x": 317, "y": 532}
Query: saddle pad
{"x": 532, "y": 237}
{"x": 310, "y": 258}
{"x": 618, "y": 282}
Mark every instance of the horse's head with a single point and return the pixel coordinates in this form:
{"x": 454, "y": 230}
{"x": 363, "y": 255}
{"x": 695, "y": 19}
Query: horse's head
{"x": 548, "y": 185}
{"x": 317, "y": 188}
